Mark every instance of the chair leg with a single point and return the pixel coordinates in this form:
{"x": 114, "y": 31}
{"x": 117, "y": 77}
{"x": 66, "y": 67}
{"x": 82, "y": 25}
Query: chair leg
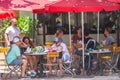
{"x": 14, "y": 71}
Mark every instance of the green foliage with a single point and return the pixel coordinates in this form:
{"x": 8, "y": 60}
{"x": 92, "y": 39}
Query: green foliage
{"x": 4, "y": 23}
{"x": 26, "y": 25}
{"x": 99, "y": 47}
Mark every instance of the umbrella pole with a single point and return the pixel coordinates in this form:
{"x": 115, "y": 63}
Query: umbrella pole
{"x": 33, "y": 29}
{"x": 83, "y": 51}
{"x": 69, "y": 28}
{"x": 98, "y": 27}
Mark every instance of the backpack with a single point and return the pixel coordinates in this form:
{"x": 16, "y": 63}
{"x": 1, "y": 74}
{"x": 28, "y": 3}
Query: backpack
{"x": 91, "y": 44}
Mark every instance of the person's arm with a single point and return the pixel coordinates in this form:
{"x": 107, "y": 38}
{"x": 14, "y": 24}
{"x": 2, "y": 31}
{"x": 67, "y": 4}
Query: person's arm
{"x": 7, "y": 39}
{"x": 23, "y": 45}
{"x": 19, "y": 57}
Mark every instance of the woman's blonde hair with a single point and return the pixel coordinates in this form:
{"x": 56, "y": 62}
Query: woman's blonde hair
{"x": 58, "y": 32}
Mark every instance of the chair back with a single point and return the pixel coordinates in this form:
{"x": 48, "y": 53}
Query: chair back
{"x": 4, "y": 50}
{"x": 78, "y": 45}
{"x": 110, "y": 47}
{"x": 48, "y": 43}
{"x": 3, "y": 63}
{"x": 52, "y": 54}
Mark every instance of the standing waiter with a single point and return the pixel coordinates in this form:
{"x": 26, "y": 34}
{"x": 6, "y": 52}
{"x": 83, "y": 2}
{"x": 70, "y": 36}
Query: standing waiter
{"x": 11, "y": 32}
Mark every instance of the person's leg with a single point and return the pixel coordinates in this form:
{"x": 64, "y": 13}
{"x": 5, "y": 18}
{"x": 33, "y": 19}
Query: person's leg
{"x": 34, "y": 62}
{"x": 50, "y": 67}
{"x": 60, "y": 62}
{"x": 30, "y": 62}
{"x": 60, "y": 65}
{"x": 24, "y": 64}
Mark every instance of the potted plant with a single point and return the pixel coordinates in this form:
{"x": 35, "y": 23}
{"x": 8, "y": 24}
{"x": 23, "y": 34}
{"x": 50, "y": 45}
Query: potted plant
{"x": 99, "y": 47}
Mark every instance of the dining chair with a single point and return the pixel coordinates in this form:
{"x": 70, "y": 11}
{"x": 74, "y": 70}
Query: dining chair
{"x": 12, "y": 67}
{"x": 111, "y": 61}
{"x": 48, "y": 43}
{"x": 51, "y": 62}
{"x": 3, "y": 65}
{"x": 68, "y": 65}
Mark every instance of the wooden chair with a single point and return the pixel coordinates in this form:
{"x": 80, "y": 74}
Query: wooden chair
{"x": 3, "y": 64}
{"x": 112, "y": 60}
{"x": 11, "y": 67}
{"x": 110, "y": 47}
{"x": 78, "y": 45}
{"x": 68, "y": 66}
{"x": 48, "y": 43}
{"x": 51, "y": 61}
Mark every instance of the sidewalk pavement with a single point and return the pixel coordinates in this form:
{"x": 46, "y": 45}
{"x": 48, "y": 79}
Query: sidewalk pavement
{"x": 69, "y": 78}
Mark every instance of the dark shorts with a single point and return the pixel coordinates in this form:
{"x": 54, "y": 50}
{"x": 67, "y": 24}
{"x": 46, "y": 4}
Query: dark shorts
{"x": 60, "y": 55}
{"x": 17, "y": 62}
{"x": 78, "y": 52}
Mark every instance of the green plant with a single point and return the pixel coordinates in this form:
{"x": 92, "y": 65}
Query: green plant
{"x": 26, "y": 26}
{"x": 99, "y": 47}
{"x": 4, "y": 23}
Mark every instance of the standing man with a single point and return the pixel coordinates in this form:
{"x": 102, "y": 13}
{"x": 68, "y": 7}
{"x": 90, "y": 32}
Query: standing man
{"x": 11, "y": 32}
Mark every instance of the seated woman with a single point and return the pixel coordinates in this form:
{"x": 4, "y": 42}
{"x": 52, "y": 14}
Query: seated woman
{"x": 64, "y": 55}
{"x": 31, "y": 59}
{"x": 77, "y": 39}
{"x": 59, "y": 33}
{"x": 14, "y": 55}
{"x": 77, "y": 47}
{"x": 108, "y": 40}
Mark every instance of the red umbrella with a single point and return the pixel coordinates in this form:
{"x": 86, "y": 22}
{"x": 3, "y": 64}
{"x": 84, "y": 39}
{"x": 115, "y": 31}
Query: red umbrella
{"x": 117, "y": 1}
{"x": 4, "y": 13}
{"x": 81, "y": 6}
{"x": 25, "y": 5}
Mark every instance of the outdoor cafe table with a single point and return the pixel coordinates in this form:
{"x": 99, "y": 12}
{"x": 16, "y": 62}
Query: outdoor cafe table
{"x": 40, "y": 64}
{"x": 99, "y": 53}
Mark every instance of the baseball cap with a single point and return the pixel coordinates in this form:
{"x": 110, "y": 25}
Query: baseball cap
{"x": 57, "y": 40}
{"x": 16, "y": 39}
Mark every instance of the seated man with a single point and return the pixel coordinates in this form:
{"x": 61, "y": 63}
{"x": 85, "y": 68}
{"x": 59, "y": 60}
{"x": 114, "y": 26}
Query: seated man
{"x": 108, "y": 39}
{"x": 14, "y": 55}
{"x": 64, "y": 55}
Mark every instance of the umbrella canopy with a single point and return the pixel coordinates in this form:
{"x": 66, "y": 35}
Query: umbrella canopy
{"x": 117, "y": 1}
{"x": 25, "y": 5}
{"x": 79, "y": 6}
{"x": 4, "y": 13}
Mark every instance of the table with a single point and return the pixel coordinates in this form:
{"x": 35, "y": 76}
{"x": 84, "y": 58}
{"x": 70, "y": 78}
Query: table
{"x": 41, "y": 74}
{"x": 98, "y": 55}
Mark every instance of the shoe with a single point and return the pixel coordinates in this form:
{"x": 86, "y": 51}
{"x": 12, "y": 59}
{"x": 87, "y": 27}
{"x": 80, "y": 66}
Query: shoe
{"x": 24, "y": 76}
{"x": 78, "y": 72}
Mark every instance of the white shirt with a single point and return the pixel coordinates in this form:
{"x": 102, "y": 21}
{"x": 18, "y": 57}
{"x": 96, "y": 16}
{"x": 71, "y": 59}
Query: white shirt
{"x": 12, "y": 32}
{"x": 66, "y": 55}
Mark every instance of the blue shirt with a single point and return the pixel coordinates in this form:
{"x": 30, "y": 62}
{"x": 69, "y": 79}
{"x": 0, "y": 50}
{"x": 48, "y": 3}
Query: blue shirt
{"x": 13, "y": 53}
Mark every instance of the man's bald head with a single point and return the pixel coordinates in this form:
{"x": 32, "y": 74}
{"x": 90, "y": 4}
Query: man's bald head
{"x": 14, "y": 22}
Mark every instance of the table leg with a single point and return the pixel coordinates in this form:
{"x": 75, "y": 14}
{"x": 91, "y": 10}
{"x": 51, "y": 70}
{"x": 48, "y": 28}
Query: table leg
{"x": 100, "y": 65}
{"x": 41, "y": 74}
